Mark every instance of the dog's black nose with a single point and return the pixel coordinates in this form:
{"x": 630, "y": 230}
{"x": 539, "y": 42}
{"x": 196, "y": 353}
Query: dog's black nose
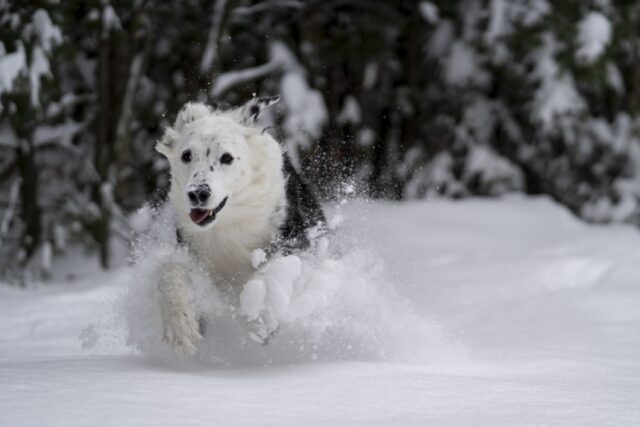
{"x": 199, "y": 195}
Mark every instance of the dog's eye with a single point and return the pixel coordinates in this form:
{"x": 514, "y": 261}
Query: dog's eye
{"x": 226, "y": 159}
{"x": 186, "y": 156}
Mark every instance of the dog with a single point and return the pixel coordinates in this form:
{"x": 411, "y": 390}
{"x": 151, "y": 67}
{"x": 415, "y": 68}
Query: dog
{"x": 234, "y": 190}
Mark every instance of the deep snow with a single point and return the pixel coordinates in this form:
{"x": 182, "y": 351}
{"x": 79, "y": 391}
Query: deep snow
{"x": 501, "y": 312}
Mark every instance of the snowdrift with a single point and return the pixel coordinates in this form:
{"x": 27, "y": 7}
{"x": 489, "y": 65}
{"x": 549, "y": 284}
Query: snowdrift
{"x": 330, "y": 302}
{"x": 480, "y": 312}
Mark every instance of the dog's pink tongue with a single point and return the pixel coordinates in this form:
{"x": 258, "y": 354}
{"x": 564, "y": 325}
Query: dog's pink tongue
{"x": 198, "y": 215}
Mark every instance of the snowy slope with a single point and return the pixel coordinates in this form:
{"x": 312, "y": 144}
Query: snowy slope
{"x": 516, "y": 314}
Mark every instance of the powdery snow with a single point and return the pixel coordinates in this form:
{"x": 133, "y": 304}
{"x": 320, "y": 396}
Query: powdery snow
{"x": 39, "y": 68}
{"x": 110, "y": 20}
{"x": 557, "y": 95}
{"x": 503, "y": 15}
{"x": 614, "y": 78}
{"x": 594, "y": 34}
{"x": 462, "y": 67}
{"x": 61, "y": 134}
{"x": 226, "y": 81}
{"x": 307, "y": 111}
{"x": 279, "y": 58}
{"x": 11, "y": 65}
{"x": 490, "y": 167}
{"x": 211, "y": 50}
{"x": 14, "y": 64}
{"x": 497, "y": 25}
{"x": 429, "y": 11}
{"x": 351, "y": 112}
{"x": 483, "y": 312}
{"x": 48, "y": 34}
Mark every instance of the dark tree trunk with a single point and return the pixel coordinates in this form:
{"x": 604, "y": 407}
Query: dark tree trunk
{"x": 102, "y": 225}
{"x": 379, "y": 155}
{"x": 29, "y": 197}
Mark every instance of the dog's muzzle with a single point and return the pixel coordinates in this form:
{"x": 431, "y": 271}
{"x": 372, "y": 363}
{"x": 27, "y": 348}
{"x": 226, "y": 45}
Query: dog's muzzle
{"x": 204, "y": 217}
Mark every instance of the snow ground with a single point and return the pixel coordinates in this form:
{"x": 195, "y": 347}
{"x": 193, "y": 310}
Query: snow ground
{"x": 539, "y": 317}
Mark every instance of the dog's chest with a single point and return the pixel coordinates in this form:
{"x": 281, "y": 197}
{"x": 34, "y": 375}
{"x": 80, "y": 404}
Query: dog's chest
{"x": 225, "y": 251}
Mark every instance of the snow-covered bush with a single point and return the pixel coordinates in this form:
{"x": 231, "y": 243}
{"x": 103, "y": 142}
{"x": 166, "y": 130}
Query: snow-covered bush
{"x": 534, "y": 92}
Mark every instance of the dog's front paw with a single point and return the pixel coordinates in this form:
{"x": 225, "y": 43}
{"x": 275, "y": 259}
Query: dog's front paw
{"x": 182, "y": 332}
{"x": 262, "y": 328}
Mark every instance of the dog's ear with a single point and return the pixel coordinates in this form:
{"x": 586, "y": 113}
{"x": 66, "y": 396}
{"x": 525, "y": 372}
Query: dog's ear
{"x": 191, "y": 112}
{"x": 167, "y": 142}
{"x": 250, "y": 111}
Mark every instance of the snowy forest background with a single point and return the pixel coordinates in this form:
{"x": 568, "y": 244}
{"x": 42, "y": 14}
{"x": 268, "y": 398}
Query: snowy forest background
{"x": 406, "y": 99}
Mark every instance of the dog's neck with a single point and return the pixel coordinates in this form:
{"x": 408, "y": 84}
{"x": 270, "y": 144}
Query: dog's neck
{"x": 250, "y": 220}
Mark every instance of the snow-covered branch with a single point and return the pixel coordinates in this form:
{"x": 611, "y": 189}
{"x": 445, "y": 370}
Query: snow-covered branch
{"x": 267, "y": 6}
{"x": 95, "y": 176}
{"x": 60, "y": 134}
{"x": 124, "y": 120}
{"x": 280, "y": 58}
{"x": 67, "y": 101}
{"x": 211, "y": 50}
{"x": 110, "y": 21}
{"x": 226, "y": 81}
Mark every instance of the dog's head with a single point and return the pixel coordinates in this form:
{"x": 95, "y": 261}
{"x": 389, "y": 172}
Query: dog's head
{"x": 208, "y": 154}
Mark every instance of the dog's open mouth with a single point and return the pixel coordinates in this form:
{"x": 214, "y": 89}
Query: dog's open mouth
{"x": 203, "y": 217}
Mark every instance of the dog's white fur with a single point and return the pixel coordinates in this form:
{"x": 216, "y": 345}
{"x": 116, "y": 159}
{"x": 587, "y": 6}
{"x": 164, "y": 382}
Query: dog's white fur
{"x": 256, "y": 206}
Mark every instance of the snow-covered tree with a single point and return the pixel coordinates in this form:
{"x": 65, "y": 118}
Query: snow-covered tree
{"x": 28, "y": 90}
{"x": 404, "y": 99}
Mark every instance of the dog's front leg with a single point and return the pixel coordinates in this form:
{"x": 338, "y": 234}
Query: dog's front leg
{"x": 181, "y": 328}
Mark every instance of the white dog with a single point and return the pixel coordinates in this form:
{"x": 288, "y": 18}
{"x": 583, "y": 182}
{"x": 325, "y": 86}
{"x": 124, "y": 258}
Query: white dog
{"x": 234, "y": 191}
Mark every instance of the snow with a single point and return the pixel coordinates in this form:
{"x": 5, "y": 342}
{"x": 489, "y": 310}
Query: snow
{"x": 502, "y": 175}
{"x": 504, "y": 312}
{"x": 557, "y": 95}
{"x": 279, "y": 58}
{"x": 531, "y": 12}
{"x": 230, "y": 79}
{"x": 211, "y": 50}
{"x": 504, "y": 15}
{"x": 429, "y": 11}
{"x": 39, "y": 68}
{"x": 462, "y": 66}
{"x": 351, "y": 112}
{"x": 247, "y": 11}
{"x": 365, "y": 137}
{"x": 441, "y": 40}
{"x": 435, "y": 177}
{"x": 370, "y": 75}
{"x": 478, "y": 120}
{"x": 61, "y": 134}
{"x": 46, "y": 257}
{"x": 306, "y": 111}
{"x": 110, "y": 20}
{"x": 258, "y": 257}
{"x": 11, "y": 65}
{"x": 497, "y": 24}
{"x": 594, "y": 34}
{"x": 126, "y": 114}
{"x": 48, "y": 34}
{"x": 14, "y": 64}
{"x": 614, "y": 78}
{"x": 604, "y": 209}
